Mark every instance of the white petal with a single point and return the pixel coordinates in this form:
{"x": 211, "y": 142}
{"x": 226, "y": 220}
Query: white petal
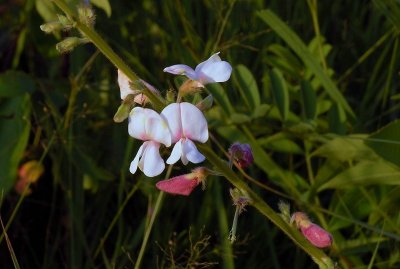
{"x": 172, "y": 114}
{"x": 180, "y": 69}
{"x": 137, "y": 120}
{"x": 157, "y": 130}
{"x": 194, "y": 124}
{"x": 214, "y": 58}
{"x": 151, "y": 162}
{"x": 134, "y": 163}
{"x": 215, "y": 72}
{"x": 124, "y": 87}
{"x": 176, "y": 153}
{"x": 191, "y": 153}
{"x": 146, "y": 124}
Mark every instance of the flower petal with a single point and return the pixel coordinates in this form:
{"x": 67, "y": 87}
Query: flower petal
{"x": 157, "y": 130}
{"x": 214, "y": 72}
{"x": 124, "y": 87}
{"x": 190, "y": 152}
{"x": 176, "y": 153}
{"x": 136, "y": 125}
{"x": 178, "y": 185}
{"x": 194, "y": 124}
{"x": 180, "y": 69}
{"x": 151, "y": 162}
{"x": 213, "y": 59}
{"x": 146, "y": 124}
{"x": 134, "y": 163}
{"x": 172, "y": 114}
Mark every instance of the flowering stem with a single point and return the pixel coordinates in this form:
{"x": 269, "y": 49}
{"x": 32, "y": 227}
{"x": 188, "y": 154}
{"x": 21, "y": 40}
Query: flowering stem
{"x": 108, "y": 52}
{"x": 157, "y": 208}
{"x": 264, "y": 208}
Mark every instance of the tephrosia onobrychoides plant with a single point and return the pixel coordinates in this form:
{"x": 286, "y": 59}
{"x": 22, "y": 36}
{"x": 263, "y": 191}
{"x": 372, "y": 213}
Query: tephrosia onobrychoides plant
{"x": 181, "y": 124}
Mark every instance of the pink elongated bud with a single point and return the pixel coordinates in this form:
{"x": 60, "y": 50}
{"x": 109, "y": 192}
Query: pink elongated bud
{"x": 314, "y": 233}
{"x": 181, "y": 185}
{"x": 184, "y": 184}
{"x": 241, "y": 154}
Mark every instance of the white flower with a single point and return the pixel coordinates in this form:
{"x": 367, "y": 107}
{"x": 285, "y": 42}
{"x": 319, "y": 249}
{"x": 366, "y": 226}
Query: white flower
{"x": 186, "y": 123}
{"x": 147, "y": 125}
{"x": 210, "y": 71}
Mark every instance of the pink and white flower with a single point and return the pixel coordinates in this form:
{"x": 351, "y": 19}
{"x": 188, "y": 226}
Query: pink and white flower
{"x": 187, "y": 124}
{"x": 210, "y": 71}
{"x": 147, "y": 125}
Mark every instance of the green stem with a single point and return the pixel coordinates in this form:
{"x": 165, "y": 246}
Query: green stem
{"x": 157, "y": 208}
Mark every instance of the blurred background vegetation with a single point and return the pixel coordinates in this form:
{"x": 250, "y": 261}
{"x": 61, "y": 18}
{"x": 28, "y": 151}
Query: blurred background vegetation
{"x": 315, "y": 91}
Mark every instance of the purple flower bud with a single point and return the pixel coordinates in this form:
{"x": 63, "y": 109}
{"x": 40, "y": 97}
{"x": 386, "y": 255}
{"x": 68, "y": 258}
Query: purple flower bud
{"x": 241, "y": 154}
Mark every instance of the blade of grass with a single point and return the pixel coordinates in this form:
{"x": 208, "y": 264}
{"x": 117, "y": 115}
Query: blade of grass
{"x": 10, "y": 248}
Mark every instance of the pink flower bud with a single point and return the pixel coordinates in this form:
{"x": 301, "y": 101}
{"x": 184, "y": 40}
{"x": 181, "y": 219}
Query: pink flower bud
{"x": 184, "y": 184}
{"x": 241, "y": 154}
{"x": 317, "y": 236}
{"x": 314, "y": 233}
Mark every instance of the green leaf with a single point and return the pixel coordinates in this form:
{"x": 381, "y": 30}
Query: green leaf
{"x": 346, "y": 149}
{"x": 14, "y": 134}
{"x": 283, "y": 145}
{"x": 239, "y": 118}
{"x": 309, "y": 100}
{"x": 298, "y": 46}
{"x": 221, "y": 98}
{"x": 285, "y": 60}
{"x": 363, "y": 174}
{"x": 386, "y": 142}
{"x": 350, "y": 203}
{"x": 247, "y": 86}
{"x": 280, "y": 92}
{"x": 13, "y": 83}
{"x": 261, "y": 111}
{"x": 104, "y": 5}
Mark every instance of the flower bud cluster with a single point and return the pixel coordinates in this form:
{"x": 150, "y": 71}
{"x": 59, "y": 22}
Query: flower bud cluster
{"x": 86, "y": 16}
